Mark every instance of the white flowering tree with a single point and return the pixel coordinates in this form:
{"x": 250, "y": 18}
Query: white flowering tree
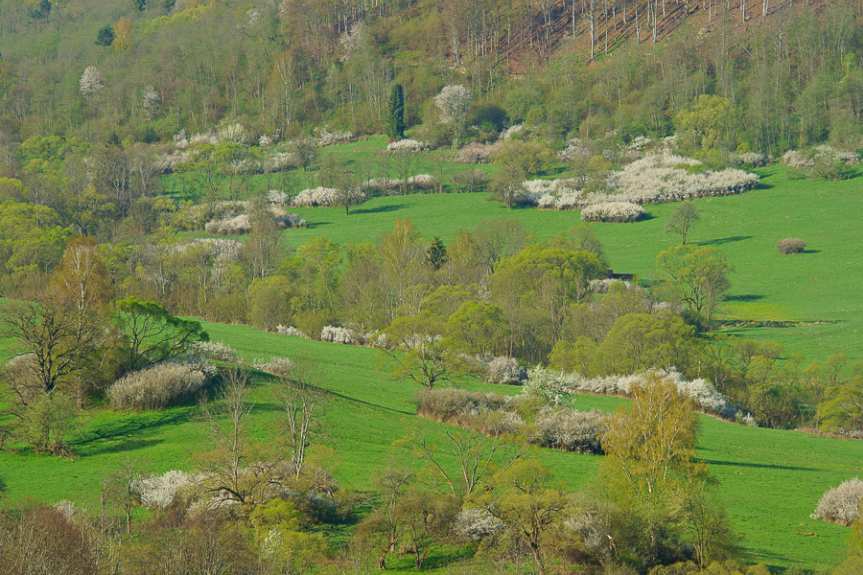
{"x": 91, "y": 82}
{"x": 453, "y": 103}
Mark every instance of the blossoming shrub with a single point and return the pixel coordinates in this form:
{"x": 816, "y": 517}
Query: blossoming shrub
{"x": 476, "y": 153}
{"x": 505, "y": 370}
{"x": 702, "y": 392}
{"x": 277, "y": 366}
{"x": 160, "y": 491}
{"x": 668, "y": 178}
{"x": 158, "y": 386}
{"x": 476, "y": 524}
{"x": 214, "y": 350}
{"x": 841, "y": 504}
{"x": 321, "y": 196}
{"x": 289, "y": 330}
{"x": 229, "y": 226}
{"x": 569, "y": 430}
{"x": 337, "y": 334}
{"x": 612, "y": 212}
{"x": 407, "y": 145}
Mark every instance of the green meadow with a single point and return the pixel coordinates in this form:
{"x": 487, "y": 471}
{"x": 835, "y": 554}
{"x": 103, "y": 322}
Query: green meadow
{"x": 769, "y": 480}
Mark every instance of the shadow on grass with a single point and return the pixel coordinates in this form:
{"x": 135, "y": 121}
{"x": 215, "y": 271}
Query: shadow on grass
{"x": 723, "y": 241}
{"x": 313, "y": 225}
{"x": 744, "y": 297}
{"x": 117, "y": 434}
{"x": 756, "y": 465}
{"x": 379, "y": 209}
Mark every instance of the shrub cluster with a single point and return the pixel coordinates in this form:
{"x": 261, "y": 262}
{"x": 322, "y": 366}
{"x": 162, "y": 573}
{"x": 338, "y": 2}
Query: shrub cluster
{"x": 807, "y": 159}
{"x": 841, "y": 504}
{"x": 242, "y": 224}
{"x": 390, "y": 186}
{"x": 476, "y": 153}
{"x": 791, "y": 246}
{"x": 505, "y": 370}
{"x": 289, "y": 330}
{"x": 702, "y": 392}
{"x": 321, "y": 196}
{"x": 160, "y": 491}
{"x": 457, "y": 405}
{"x": 277, "y": 366}
{"x": 667, "y": 178}
{"x": 407, "y": 145}
{"x": 612, "y": 212}
{"x": 337, "y": 334}
{"x": 158, "y": 386}
{"x": 214, "y": 350}
{"x": 569, "y": 430}
{"x": 476, "y": 524}
{"x": 325, "y": 137}
{"x": 495, "y": 415}
{"x": 229, "y": 226}
{"x": 753, "y": 159}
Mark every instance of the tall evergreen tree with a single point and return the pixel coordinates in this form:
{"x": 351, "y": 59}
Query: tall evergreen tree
{"x": 396, "y": 128}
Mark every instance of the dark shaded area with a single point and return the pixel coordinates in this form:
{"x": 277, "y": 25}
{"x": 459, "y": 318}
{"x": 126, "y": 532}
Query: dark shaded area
{"x": 723, "y": 241}
{"x": 755, "y": 465}
{"x": 379, "y": 209}
{"x": 744, "y": 297}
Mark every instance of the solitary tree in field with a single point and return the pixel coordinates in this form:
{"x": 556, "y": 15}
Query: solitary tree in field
{"x": 697, "y": 277}
{"x": 396, "y": 128}
{"x": 682, "y": 220}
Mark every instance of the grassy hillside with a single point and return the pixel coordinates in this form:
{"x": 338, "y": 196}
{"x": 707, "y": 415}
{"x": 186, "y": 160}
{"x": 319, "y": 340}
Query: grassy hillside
{"x": 769, "y": 480}
{"x": 817, "y": 288}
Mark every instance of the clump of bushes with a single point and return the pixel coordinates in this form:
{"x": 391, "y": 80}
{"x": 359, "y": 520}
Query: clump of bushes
{"x": 337, "y": 334}
{"x": 791, "y": 246}
{"x": 701, "y": 391}
{"x": 612, "y": 212}
{"x": 390, "y": 186}
{"x": 495, "y": 415}
{"x": 476, "y": 153}
{"x": 214, "y": 350}
{"x": 159, "y": 386}
{"x": 159, "y": 491}
{"x": 823, "y": 161}
{"x": 505, "y": 370}
{"x": 841, "y": 504}
{"x": 569, "y": 430}
{"x": 407, "y": 145}
{"x": 476, "y": 524}
{"x": 277, "y": 366}
{"x": 457, "y": 405}
{"x": 321, "y": 196}
{"x": 242, "y": 224}
{"x": 290, "y": 331}
{"x": 667, "y": 178}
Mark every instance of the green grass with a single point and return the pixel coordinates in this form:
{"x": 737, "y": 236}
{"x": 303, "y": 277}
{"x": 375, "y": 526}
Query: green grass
{"x": 769, "y": 480}
{"x": 366, "y": 158}
{"x": 819, "y": 286}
